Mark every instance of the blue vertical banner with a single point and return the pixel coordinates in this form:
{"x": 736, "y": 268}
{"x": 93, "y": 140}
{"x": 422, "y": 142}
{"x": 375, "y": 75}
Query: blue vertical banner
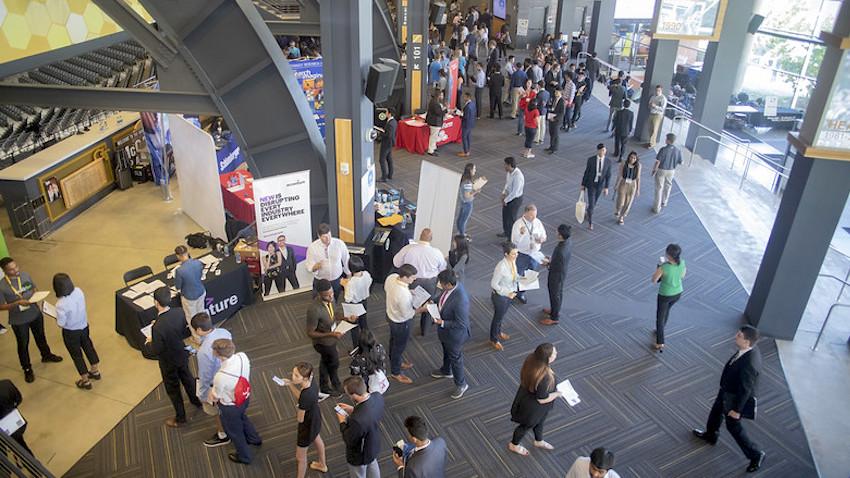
{"x": 310, "y": 76}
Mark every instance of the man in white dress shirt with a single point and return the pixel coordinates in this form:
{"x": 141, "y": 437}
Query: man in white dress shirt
{"x": 327, "y": 258}
{"x": 528, "y": 234}
{"x": 400, "y": 311}
{"x": 428, "y": 261}
{"x": 597, "y": 465}
{"x": 511, "y": 195}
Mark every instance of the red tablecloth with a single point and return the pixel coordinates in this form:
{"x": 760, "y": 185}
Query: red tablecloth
{"x": 240, "y": 203}
{"x": 415, "y": 138}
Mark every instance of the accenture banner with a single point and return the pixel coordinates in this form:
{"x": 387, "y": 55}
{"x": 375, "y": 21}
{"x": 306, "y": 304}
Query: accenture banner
{"x": 310, "y": 76}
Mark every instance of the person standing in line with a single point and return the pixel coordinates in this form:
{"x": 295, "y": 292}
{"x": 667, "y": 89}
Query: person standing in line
{"x": 666, "y": 161}
{"x": 360, "y": 428}
{"x": 597, "y": 465}
{"x": 518, "y": 82}
{"x": 166, "y": 343}
{"x": 453, "y": 330}
{"x": 623, "y": 124}
{"x": 668, "y": 275}
{"x": 309, "y": 418}
{"x": 657, "y": 106}
{"x": 528, "y": 233}
{"x": 504, "y": 285}
{"x": 428, "y": 262}
{"x": 320, "y": 325}
{"x": 16, "y": 288}
{"x": 387, "y": 144}
{"x": 233, "y": 401}
{"x": 554, "y": 118}
{"x": 615, "y": 104}
{"x": 532, "y": 114}
{"x": 511, "y": 196}
{"x": 467, "y": 197}
{"x": 72, "y": 318}
{"x": 542, "y": 103}
{"x": 467, "y": 121}
{"x": 558, "y": 264}
{"x": 400, "y": 311}
{"x": 496, "y": 82}
{"x": 628, "y": 186}
{"x": 208, "y": 366}
{"x": 459, "y": 256}
{"x": 434, "y": 118}
{"x": 429, "y": 456}
{"x": 357, "y": 290}
{"x": 327, "y": 258}
{"x": 738, "y": 384}
{"x": 272, "y": 261}
{"x": 480, "y": 84}
{"x": 597, "y": 174}
{"x": 289, "y": 265}
{"x": 534, "y": 398}
{"x": 569, "y": 95}
{"x": 10, "y": 399}
{"x": 187, "y": 281}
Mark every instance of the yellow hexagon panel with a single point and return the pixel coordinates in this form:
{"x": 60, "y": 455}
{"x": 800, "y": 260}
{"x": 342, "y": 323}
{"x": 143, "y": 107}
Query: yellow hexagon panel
{"x": 57, "y": 36}
{"x": 16, "y": 30}
{"x": 38, "y": 19}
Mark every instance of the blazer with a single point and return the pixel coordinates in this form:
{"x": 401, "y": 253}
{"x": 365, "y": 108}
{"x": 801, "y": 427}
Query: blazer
{"x": 167, "y": 335}
{"x": 588, "y": 180}
{"x": 429, "y": 462}
{"x": 388, "y": 138}
{"x": 455, "y": 331}
{"x": 560, "y": 260}
{"x": 289, "y": 263}
{"x": 623, "y": 121}
{"x": 361, "y": 431}
{"x": 739, "y": 380}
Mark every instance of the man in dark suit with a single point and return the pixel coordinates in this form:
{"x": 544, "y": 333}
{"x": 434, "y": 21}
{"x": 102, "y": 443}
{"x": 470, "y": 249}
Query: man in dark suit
{"x": 360, "y": 428}
{"x": 453, "y": 329}
{"x": 557, "y": 274}
{"x": 166, "y": 342}
{"x": 738, "y": 384}
{"x": 428, "y": 459}
{"x": 557, "y": 109}
{"x": 385, "y": 156}
{"x": 597, "y": 174}
{"x": 467, "y": 122}
{"x": 287, "y": 269}
{"x": 496, "y": 82}
{"x": 623, "y": 121}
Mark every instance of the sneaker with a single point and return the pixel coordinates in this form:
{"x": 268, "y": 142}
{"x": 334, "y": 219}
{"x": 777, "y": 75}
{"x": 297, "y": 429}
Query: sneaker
{"x": 215, "y": 441}
{"x": 459, "y": 391}
{"x": 439, "y": 374}
{"x": 51, "y": 358}
{"x": 29, "y": 376}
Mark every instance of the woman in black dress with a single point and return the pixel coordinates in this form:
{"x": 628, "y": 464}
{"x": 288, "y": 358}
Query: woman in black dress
{"x": 534, "y": 398}
{"x": 309, "y": 418}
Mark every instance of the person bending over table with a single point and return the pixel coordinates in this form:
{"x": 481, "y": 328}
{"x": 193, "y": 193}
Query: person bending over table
{"x": 327, "y": 258}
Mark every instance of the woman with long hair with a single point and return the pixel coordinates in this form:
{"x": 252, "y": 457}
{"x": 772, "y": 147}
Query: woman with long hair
{"x": 72, "y": 318}
{"x": 459, "y": 256}
{"x": 668, "y": 274}
{"x": 628, "y": 186}
{"x": 467, "y": 196}
{"x": 534, "y": 398}
{"x": 309, "y": 417}
{"x": 272, "y": 262}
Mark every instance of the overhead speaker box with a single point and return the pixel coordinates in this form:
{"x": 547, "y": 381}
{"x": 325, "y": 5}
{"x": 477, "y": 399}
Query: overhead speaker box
{"x": 755, "y": 23}
{"x": 379, "y": 83}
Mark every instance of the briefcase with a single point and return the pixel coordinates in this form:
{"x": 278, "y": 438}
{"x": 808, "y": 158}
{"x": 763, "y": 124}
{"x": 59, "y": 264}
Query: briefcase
{"x": 750, "y": 409}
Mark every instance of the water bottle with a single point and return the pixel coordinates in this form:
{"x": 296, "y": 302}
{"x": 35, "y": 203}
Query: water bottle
{"x": 238, "y": 257}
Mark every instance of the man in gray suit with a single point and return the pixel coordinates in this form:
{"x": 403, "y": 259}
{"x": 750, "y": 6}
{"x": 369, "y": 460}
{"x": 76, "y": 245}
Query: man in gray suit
{"x": 428, "y": 459}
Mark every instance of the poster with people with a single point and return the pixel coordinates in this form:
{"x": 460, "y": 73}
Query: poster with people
{"x": 282, "y": 206}
{"x": 309, "y": 74}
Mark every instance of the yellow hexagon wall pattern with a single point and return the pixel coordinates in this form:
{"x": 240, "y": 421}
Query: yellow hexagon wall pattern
{"x": 30, "y": 27}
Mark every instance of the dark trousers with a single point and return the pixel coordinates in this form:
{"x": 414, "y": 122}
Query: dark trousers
{"x": 335, "y": 285}
{"x": 620, "y": 145}
{"x": 328, "y": 367}
{"x": 500, "y": 308}
{"x": 521, "y": 430}
{"x": 78, "y": 342}
{"x": 712, "y": 427}
{"x": 662, "y": 311}
{"x": 239, "y": 429}
{"x": 22, "y": 336}
{"x": 593, "y": 193}
{"x": 361, "y": 326}
{"x": 479, "y": 96}
{"x": 554, "y": 136}
{"x": 429, "y": 284}
{"x": 453, "y": 362}
{"x": 577, "y": 110}
{"x": 496, "y": 102}
{"x": 399, "y": 335}
{"x": 385, "y": 157}
{"x": 555, "y": 284}
{"x": 466, "y": 139}
{"x": 173, "y": 375}
{"x": 509, "y": 213}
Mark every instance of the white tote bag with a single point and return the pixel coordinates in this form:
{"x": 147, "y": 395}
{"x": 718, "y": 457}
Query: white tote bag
{"x": 581, "y": 208}
{"x": 378, "y": 382}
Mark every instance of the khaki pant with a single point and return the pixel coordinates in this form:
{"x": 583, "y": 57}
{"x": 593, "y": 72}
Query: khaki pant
{"x": 541, "y": 129}
{"x": 432, "y": 138}
{"x": 625, "y": 197}
{"x": 663, "y": 185}
{"x": 515, "y": 94}
{"x": 654, "y": 127}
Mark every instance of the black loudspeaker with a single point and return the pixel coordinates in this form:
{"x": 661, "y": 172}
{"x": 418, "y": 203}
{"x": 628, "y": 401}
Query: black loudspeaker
{"x": 437, "y": 12}
{"x": 379, "y": 83}
{"x": 755, "y": 23}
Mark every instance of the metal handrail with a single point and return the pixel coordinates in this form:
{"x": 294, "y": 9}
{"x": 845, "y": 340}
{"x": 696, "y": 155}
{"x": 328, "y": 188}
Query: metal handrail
{"x": 844, "y": 284}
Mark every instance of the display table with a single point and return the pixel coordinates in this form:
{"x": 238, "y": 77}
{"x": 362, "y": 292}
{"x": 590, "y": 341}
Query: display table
{"x": 226, "y": 294}
{"x": 238, "y": 195}
{"x": 412, "y": 133}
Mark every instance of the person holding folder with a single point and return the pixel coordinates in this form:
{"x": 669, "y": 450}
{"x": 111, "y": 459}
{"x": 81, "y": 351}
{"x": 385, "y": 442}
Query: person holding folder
{"x": 452, "y": 329}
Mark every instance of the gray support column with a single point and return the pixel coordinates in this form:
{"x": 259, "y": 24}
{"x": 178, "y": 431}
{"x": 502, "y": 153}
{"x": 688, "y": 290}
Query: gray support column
{"x": 565, "y": 17}
{"x": 417, "y": 55}
{"x": 601, "y": 27}
{"x": 717, "y": 82}
{"x": 347, "y": 50}
{"x": 659, "y": 71}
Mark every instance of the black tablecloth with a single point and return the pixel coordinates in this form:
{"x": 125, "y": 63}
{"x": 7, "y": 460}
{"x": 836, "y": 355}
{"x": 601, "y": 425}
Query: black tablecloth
{"x": 226, "y": 294}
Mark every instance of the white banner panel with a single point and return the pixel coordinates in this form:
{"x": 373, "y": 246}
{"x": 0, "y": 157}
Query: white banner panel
{"x": 436, "y": 202}
{"x": 282, "y": 205}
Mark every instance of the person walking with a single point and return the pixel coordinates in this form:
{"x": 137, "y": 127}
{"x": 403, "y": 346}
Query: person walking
{"x": 385, "y": 156}
{"x": 400, "y": 310}
{"x": 327, "y": 258}
{"x": 16, "y": 288}
{"x": 360, "y": 429}
{"x": 357, "y": 290}
{"x": 208, "y": 366}
{"x": 738, "y": 385}
{"x": 623, "y": 124}
{"x": 597, "y": 174}
{"x": 558, "y": 264}
{"x": 555, "y": 117}
{"x": 188, "y": 282}
{"x": 628, "y": 186}
{"x": 597, "y": 465}
{"x": 309, "y": 417}
{"x": 511, "y": 196}
{"x": 534, "y": 398}
{"x": 657, "y": 107}
{"x": 434, "y": 118}
{"x": 231, "y": 390}
{"x": 495, "y": 83}
{"x": 666, "y": 161}
{"x": 467, "y": 121}
{"x": 467, "y": 197}
{"x": 72, "y": 318}
{"x": 428, "y": 262}
{"x": 453, "y": 330}
{"x": 668, "y": 275}
{"x": 428, "y": 456}
{"x": 459, "y": 256}
{"x": 505, "y": 286}
{"x": 320, "y": 329}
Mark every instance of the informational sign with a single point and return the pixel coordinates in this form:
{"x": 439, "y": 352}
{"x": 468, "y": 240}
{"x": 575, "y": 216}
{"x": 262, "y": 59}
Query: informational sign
{"x": 282, "y": 206}
{"x": 500, "y": 9}
{"x": 689, "y": 19}
{"x": 834, "y": 129}
{"x": 522, "y": 27}
{"x": 454, "y": 66}
{"x": 229, "y": 157}
{"x": 310, "y": 76}
{"x": 771, "y": 103}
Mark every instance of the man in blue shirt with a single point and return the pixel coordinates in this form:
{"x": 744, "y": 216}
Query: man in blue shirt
{"x": 208, "y": 365}
{"x": 518, "y": 79}
{"x": 187, "y": 281}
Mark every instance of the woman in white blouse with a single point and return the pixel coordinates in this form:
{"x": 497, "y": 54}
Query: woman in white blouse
{"x": 505, "y": 286}
{"x": 357, "y": 292}
{"x": 71, "y": 317}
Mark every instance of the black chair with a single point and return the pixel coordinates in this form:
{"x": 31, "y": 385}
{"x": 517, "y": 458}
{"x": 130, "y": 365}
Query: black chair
{"x": 170, "y": 260}
{"x": 136, "y": 274}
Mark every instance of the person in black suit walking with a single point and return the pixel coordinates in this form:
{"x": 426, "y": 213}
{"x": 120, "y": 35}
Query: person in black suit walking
{"x": 738, "y": 384}
{"x": 166, "y": 342}
{"x": 597, "y": 174}
{"x": 287, "y": 268}
{"x": 453, "y": 329}
{"x": 385, "y": 156}
{"x": 623, "y": 122}
{"x": 558, "y": 274}
{"x": 556, "y": 116}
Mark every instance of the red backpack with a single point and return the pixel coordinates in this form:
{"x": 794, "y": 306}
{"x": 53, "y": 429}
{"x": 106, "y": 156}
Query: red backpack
{"x": 242, "y": 391}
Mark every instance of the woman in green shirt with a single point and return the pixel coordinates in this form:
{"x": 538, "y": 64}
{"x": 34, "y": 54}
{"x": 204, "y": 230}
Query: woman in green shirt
{"x": 669, "y": 275}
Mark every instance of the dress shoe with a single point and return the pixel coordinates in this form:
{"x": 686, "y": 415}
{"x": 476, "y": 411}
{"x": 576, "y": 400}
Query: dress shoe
{"x": 504, "y": 336}
{"x": 549, "y": 322}
{"x": 705, "y": 436}
{"x": 497, "y": 346}
{"x": 755, "y": 463}
{"x": 235, "y": 459}
{"x": 51, "y": 358}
